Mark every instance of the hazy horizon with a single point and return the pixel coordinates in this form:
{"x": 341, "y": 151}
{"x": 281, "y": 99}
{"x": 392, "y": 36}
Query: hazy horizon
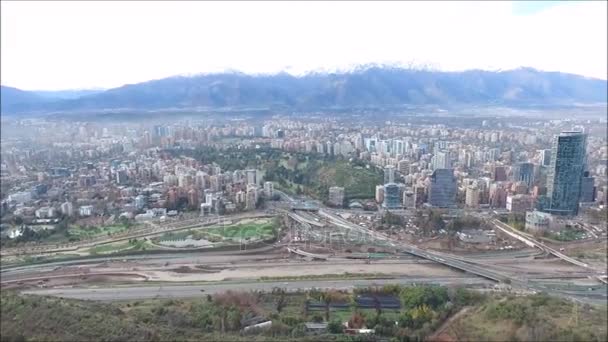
{"x": 349, "y": 69}
{"x": 71, "y": 45}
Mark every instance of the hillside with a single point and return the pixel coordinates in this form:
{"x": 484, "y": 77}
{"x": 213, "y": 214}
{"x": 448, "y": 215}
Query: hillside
{"x": 531, "y": 318}
{"x": 372, "y": 86}
{"x": 424, "y": 313}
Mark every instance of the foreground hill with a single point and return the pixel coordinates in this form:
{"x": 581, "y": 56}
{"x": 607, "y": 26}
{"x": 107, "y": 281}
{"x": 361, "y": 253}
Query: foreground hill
{"x": 373, "y": 86}
{"x": 424, "y": 313}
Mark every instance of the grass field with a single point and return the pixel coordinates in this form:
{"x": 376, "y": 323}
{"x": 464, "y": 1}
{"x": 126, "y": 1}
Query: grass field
{"x": 245, "y": 231}
{"x": 254, "y": 230}
{"x": 91, "y": 232}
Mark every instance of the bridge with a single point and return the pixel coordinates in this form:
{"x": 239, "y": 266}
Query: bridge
{"x": 302, "y": 219}
{"x": 421, "y": 253}
{"x": 304, "y": 206}
{"x": 534, "y": 243}
{"x": 306, "y": 254}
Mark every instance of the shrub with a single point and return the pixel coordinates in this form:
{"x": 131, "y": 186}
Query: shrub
{"x": 334, "y": 326}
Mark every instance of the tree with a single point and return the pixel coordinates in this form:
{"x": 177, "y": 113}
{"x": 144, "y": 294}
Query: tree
{"x": 433, "y": 296}
{"x": 356, "y": 321}
{"x": 421, "y": 315}
{"x": 406, "y": 320}
{"x": 334, "y": 326}
{"x": 281, "y": 299}
{"x": 327, "y": 297}
{"x": 317, "y": 318}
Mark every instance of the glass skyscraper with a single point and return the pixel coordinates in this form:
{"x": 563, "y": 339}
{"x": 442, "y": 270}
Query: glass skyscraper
{"x": 392, "y": 200}
{"x": 566, "y": 172}
{"x": 442, "y": 191}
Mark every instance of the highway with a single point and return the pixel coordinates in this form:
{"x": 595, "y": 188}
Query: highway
{"x": 471, "y": 266}
{"x": 478, "y": 265}
{"x": 425, "y": 254}
{"x": 534, "y": 243}
{"x": 118, "y": 293}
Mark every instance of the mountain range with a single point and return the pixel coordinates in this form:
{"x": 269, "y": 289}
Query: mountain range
{"x": 366, "y": 86}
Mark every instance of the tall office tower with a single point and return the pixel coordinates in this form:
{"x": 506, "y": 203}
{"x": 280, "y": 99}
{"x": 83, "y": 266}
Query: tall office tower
{"x": 442, "y": 192}
{"x": 587, "y": 188}
{"x": 389, "y": 174}
{"x": 392, "y": 200}
{"x": 566, "y": 172}
{"x": 441, "y": 160}
{"x": 545, "y": 157}
{"x": 524, "y": 172}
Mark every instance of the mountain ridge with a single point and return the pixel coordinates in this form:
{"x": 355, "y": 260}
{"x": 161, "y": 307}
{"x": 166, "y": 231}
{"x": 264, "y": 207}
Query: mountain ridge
{"x": 369, "y": 85}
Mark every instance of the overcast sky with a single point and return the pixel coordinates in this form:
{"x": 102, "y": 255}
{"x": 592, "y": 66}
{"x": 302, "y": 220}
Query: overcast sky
{"x": 68, "y": 45}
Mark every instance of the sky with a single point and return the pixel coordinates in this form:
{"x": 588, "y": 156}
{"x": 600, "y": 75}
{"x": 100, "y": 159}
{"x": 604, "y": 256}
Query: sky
{"x": 103, "y": 44}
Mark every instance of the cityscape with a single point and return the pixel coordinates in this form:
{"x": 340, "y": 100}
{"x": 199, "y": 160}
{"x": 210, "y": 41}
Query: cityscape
{"x": 383, "y": 203}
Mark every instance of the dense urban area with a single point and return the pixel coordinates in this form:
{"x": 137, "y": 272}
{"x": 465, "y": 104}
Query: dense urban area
{"x": 323, "y": 225}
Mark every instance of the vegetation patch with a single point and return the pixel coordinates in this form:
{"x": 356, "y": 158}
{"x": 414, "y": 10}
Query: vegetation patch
{"x": 532, "y": 318}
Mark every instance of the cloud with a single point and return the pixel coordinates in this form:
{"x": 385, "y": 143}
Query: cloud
{"x": 73, "y": 45}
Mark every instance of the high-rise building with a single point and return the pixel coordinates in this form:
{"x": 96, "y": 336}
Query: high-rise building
{"x": 587, "y": 188}
{"x": 472, "y": 196}
{"x": 252, "y": 176}
{"x": 441, "y": 160}
{"x": 193, "y": 198}
{"x": 409, "y": 199}
{"x": 442, "y": 191}
{"x": 392, "y": 200}
{"x": 389, "y": 174}
{"x": 404, "y": 167}
{"x": 419, "y": 195}
{"x": 519, "y": 203}
{"x": 566, "y": 172}
{"x": 499, "y": 173}
{"x": 545, "y": 157}
{"x": 268, "y": 189}
{"x": 379, "y": 193}
{"x": 336, "y": 196}
{"x": 524, "y": 172}
{"x": 251, "y": 197}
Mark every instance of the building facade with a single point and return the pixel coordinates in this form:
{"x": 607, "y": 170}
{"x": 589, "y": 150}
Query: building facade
{"x": 442, "y": 191}
{"x": 392, "y": 200}
{"x": 565, "y": 175}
